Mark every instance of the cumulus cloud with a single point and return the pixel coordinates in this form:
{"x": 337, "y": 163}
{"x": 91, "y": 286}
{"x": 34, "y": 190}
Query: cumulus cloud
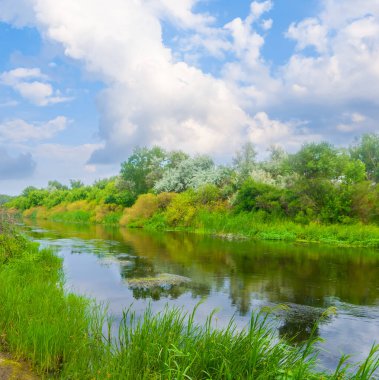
{"x": 266, "y": 132}
{"x": 18, "y": 130}
{"x": 21, "y": 166}
{"x": 309, "y": 32}
{"x": 346, "y": 68}
{"x": 31, "y": 84}
{"x": 151, "y": 98}
{"x": 158, "y": 95}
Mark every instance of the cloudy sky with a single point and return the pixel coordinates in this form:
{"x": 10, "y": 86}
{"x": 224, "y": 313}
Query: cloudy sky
{"x": 84, "y": 81}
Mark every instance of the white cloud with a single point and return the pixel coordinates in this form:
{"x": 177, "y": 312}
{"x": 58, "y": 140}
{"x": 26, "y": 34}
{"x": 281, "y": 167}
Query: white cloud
{"x": 309, "y": 32}
{"x": 259, "y": 8}
{"x": 12, "y": 77}
{"x": 18, "y": 130}
{"x": 267, "y": 24}
{"x": 151, "y": 98}
{"x": 346, "y": 68}
{"x": 266, "y": 132}
{"x": 180, "y": 13}
{"x": 31, "y": 84}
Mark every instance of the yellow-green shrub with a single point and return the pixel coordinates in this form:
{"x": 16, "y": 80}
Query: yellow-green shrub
{"x": 81, "y": 205}
{"x": 101, "y": 211}
{"x": 145, "y": 207}
{"x": 165, "y": 199}
{"x": 182, "y": 209}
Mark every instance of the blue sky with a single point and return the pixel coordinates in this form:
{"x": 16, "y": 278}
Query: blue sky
{"x": 82, "y": 83}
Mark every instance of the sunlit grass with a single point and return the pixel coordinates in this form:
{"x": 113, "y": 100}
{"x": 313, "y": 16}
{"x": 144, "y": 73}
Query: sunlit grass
{"x": 254, "y": 226}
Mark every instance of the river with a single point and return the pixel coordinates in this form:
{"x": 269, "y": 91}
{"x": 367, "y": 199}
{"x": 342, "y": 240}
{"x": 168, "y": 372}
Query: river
{"x": 234, "y": 277}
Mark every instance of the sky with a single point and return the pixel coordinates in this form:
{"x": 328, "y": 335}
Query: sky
{"x": 84, "y": 82}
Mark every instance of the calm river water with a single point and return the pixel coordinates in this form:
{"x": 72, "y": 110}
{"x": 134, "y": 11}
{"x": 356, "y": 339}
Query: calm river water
{"x": 234, "y": 277}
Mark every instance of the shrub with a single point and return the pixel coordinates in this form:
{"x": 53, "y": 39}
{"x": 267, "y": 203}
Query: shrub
{"x": 254, "y": 196}
{"x": 182, "y": 209}
{"x": 164, "y": 200}
{"x": 145, "y": 206}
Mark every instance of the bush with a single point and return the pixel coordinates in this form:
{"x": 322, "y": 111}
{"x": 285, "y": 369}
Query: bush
{"x": 182, "y": 209}
{"x": 146, "y": 206}
{"x": 255, "y": 196}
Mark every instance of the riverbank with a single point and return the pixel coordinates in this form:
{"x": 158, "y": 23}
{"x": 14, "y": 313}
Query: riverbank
{"x": 153, "y": 213}
{"x": 62, "y": 335}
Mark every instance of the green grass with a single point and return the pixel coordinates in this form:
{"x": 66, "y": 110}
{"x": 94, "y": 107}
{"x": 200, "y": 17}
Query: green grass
{"x": 76, "y": 216}
{"x": 68, "y": 337}
{"x": 261, "y": 227}
{"x": 112, "y": 218}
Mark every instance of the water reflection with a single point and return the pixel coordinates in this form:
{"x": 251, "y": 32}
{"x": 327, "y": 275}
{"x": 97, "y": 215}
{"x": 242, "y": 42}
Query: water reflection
{"x": 233, "y": 275}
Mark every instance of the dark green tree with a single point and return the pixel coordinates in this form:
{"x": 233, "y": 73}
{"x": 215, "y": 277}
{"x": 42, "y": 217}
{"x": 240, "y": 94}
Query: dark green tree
{"x": 317, "y": 160}
{"x": 143, "y": 168}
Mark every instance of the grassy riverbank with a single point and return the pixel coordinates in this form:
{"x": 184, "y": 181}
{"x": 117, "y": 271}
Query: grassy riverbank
{"x": 65, "y": 336}
{"x": 184, "y": 213}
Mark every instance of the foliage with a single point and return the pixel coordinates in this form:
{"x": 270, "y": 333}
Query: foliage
{"x": 4, "y": 198}
{"x": 76, "y": 183}
{"x": 244, "y": 162}
{"x": 143, "y": 168}
{"x": 145, "y": 206}
{"x": 366, "y": 150}
{"x": 317, "y": 160}
{"x": 320, "y": 183}
{"x": 191, "y": 173}
{"x": 255, "y": 196}
{"x": 365, "y": 202}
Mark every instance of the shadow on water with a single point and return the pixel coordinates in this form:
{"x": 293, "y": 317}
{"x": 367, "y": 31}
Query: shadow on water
{"x": 235, "y": 276}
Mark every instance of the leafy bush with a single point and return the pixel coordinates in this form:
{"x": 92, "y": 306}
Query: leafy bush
{"x": 181, "y": 211}
{"x": 146, "y": 205}
{"x": 255, "y": 196}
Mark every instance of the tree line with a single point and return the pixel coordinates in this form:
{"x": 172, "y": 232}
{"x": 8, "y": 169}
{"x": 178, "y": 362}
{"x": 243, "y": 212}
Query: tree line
{"x": 320, "y": 182}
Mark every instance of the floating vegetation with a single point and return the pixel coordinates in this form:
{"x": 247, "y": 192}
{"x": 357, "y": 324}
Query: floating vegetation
{"x": 164, "y": 280}
{"x": 231, "y": 236}
{"x": 115, "y": 260}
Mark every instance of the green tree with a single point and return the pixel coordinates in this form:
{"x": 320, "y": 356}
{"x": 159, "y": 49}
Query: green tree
{"x": 366, "y": 150}
{"x": 143, "y": 169}
{"x": 255, "y": 196}
{"x": 317, "y": 160}
{"x": 76, "y": 183}
{"x": 244, "y": 162}
{"x": 56, "y": 185}
{"x": 191, "y": 173}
